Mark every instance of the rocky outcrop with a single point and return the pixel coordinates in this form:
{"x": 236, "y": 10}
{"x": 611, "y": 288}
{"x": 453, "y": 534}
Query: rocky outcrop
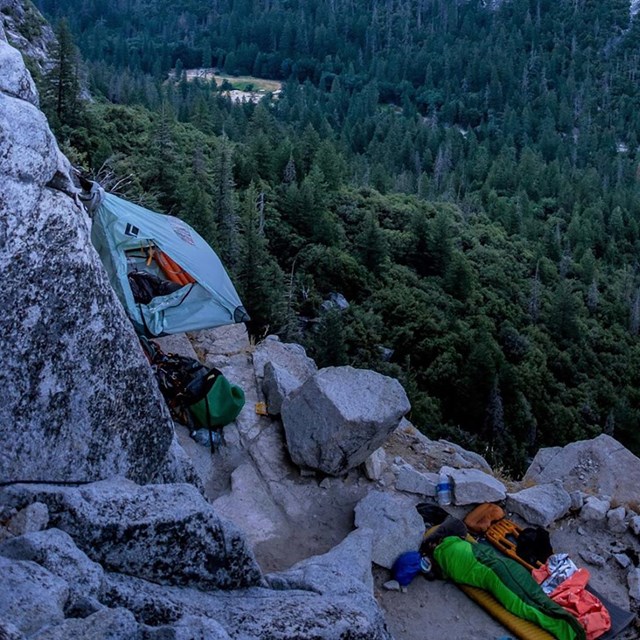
{"x": 167, "y": 534}
{"x": 106, "y": 624}
{"x": 31, "y": 597}
{"x": 56, "y": 551}
{"x": 340, "y": 416}
{"x": 80, "y": 402}
{"x": 601, "y": 466}
{"x": 28, "y": 31}
{"x": 431, "y": 455}
{"x": 163, "y": 565}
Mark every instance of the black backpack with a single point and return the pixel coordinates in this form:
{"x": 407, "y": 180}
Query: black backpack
{"x": 533, "y": 545}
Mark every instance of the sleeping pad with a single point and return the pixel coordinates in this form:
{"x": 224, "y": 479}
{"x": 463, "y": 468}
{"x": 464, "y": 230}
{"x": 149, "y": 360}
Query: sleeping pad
{"x": 480, "y": 566}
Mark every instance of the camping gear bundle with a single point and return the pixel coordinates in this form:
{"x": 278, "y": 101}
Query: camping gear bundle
{"x": 197, "y": 396}
{"x": 514, "y": 574}
{"x": 169, "y": 280}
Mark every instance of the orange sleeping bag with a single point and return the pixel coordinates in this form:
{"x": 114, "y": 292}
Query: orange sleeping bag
{"x": 171, "y": 269}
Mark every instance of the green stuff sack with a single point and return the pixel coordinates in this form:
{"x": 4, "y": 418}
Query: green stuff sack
{"x": 220, "y": 403}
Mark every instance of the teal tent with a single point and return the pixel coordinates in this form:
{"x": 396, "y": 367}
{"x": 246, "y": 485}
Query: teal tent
{"x": 131, "y": 240}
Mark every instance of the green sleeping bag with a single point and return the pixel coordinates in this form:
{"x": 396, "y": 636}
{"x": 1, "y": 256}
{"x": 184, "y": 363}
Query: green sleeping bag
{"x": 480, "y": 566}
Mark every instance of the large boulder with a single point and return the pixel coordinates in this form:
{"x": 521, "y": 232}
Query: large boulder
{"x": 167, "y": 534}
{"x": 79, "y": 399}
{"x": 601, "y": 466}
{"x": 396, "y": 524}
{"x": 540, "y": 505}
{"x": 340, "y": 416}
{"x": 412, "y": 481}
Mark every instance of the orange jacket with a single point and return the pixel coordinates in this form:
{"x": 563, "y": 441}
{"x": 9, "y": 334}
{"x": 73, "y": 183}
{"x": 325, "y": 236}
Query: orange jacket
{"x": 573, "y": 596}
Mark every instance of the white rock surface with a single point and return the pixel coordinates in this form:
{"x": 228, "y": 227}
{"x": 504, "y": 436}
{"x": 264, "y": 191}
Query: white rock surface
{"x": 34, "y": 517}
{"x": 375, "y": 464}
{"x": 165, "y": 533}
{"x": 412, "y": 481}
{"x": 616, "y": 520}
{"x": 55, "y": 551}
{"x": 93, "y": 409}
{"x": 30, "y": 597}
{"x": 633, "y": 580}
{"x": 288, "y": 355}
{"x": 106, "y": 624}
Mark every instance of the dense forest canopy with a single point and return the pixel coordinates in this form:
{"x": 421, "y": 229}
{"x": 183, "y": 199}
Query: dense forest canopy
{"x": 464, "y": 173}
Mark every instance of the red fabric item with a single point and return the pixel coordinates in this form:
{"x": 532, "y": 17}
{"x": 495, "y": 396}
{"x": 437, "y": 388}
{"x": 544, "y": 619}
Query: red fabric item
{"x": 573, "y": 596}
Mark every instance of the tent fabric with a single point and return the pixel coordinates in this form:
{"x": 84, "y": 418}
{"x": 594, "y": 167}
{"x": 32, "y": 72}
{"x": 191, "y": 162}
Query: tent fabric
{"x": 212, "y": 301}
{"x": 512, "y": 585}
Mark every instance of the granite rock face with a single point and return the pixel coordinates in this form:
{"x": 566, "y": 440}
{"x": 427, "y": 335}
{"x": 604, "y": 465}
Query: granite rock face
{"x": 168, "y": 534}
{"x": 28, "y": 31}
{"x": 281, "y": 368}
{"x": 80, "y": 401}
{"x": 472, "y": 486}
{"x": 106, "y": 624}
{"x": 340, "y": 416}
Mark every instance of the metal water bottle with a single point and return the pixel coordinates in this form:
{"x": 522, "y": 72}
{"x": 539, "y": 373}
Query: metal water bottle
{"x": 443, "y": 490}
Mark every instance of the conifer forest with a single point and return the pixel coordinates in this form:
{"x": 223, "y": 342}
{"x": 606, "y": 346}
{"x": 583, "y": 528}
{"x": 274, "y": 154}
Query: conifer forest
{"x": 445, "y": 191}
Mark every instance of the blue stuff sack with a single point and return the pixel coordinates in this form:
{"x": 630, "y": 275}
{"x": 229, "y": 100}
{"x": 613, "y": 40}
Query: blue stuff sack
{"x": 406, "y": 567}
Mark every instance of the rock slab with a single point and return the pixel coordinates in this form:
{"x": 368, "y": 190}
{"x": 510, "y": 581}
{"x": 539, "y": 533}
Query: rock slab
{"x": 472, "y": 486}
{"x": 540, "y": 505}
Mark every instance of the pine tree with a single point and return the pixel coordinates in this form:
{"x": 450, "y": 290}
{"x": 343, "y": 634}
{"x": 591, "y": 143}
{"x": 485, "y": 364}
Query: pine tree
{"x": 161, "y": 173}
{"x": 62, "y": 85}
{"x": 372, "y": 245}
{"x": 289, "y": 175}
{"x": 196, "y": 200}
{"x": 224, "y": 205}
{"x": 260, "y": 279}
